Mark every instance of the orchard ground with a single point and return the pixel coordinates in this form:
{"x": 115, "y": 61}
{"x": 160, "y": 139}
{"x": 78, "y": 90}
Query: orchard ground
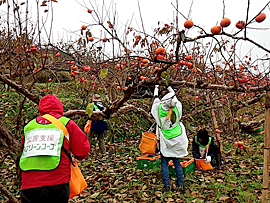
{"x": 114, "y": 177}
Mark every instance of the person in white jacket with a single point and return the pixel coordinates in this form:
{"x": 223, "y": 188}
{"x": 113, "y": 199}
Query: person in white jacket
{"x": 172, "y": 134}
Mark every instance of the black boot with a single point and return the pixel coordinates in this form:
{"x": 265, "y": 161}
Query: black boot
{"x": 219, "y": 161}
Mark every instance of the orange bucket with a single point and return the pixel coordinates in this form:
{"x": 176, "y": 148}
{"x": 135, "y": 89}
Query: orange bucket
{"x": 148, "y": 143}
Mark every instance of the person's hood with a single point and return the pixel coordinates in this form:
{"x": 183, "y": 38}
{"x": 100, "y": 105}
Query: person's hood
{"x": 169, "y": 100}
{"x": 50, "y": 104}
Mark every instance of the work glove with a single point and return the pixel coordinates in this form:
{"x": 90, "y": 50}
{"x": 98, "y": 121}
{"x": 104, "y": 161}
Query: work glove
{"x": 207, "y": 159}
{"x": 170, "y": 89}
{"x": 156, "y": 90}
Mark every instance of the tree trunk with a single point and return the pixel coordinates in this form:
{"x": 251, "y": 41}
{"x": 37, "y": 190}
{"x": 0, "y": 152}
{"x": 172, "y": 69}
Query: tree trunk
{"x": 266, "y": 149}
{"x": 12, "y": 146}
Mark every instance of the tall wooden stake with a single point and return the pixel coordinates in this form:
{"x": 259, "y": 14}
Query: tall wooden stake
{"x": 266, "y": 149}
{"x": 215, "y": 123}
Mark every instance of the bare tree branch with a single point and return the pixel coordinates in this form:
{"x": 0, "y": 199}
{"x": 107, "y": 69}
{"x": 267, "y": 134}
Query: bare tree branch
{"x": 19, "y": 89}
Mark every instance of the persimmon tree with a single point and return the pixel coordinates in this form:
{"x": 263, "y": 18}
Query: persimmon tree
{"x": 189, "y": 63}
{"x": 209, "y": 76}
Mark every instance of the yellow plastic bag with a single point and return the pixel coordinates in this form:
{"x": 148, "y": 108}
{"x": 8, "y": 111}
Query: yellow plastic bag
{"x": 77, "y": 182}
{"x": 148, "y": 143}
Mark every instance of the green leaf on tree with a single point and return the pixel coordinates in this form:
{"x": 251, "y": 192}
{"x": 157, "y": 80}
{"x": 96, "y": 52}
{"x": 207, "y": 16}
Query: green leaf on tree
{"x": 167, "y": 80}
{"x": 76, "y": 85}
{"x": 183, "y": 91}
{"x": 262, "y": 100}
{"x": 164, "y": 74}
{"x": 36, "y": 65}
{"x": 103, "y": 73}
{"x": 89, "y": 109}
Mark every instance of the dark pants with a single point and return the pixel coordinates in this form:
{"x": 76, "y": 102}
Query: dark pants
{"x": 165, "y": 171}
{"x": 48, "y": 194}
{"x": 216, "y": 151}
{"x": 101, "y": 139}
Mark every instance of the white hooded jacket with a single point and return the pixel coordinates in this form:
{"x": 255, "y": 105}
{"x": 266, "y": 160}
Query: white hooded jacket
{"x": 176, "y": 146}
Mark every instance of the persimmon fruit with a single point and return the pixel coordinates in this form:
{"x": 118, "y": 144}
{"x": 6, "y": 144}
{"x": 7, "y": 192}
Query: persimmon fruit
{"x": 74, "y": 67}
{"x": 86, "y": 68}
{"x": 142, "y": 77}
{"x": 261, "y": 17}
{"x": 159, "y": 50}
{"x": 189, "y": 65}
{"x": 225, "y": 22}
{"x": 182, "y": 63}
{"x": 240, "y": 143}
{"x": 188, "y": 57}
{"x": 240, "y": 24}
{"x": 215, "y": 30}
{"x": 188, "y": 24}
{"x": 160, "y": 57}
{"x": 144, "y": 61}
{"x": 83, "y": 27}
{"x": 91, "y": 39}
{"x": 217, "y": 131}
{"x": 33, "y": 48}
{"x": 89, "y": 10}
{"x": 242, "y": 80}
{"x": 164, "y": 52}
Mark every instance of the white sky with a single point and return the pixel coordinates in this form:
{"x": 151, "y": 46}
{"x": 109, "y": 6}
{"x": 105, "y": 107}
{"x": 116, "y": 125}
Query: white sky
{"x": 70, "y": 15}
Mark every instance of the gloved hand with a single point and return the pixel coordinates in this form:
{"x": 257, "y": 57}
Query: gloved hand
{"x": 156, "y": 90}
{"x": 207, "y": 159}
{"x": 170, "y": 89}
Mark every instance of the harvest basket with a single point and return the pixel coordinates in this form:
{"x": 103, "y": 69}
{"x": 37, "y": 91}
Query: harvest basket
{"x": 148, "y": 161}
{"x": 187, "y": 163}
{"x": 255, "y": 130}
{"x": 148, "y": 143}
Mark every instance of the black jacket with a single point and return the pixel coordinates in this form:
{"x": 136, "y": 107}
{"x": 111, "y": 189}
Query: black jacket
{"x": 99, "y": 126}
{"x": 196, "y": 152}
